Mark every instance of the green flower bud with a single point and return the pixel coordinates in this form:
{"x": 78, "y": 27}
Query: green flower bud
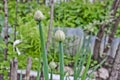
{"x": 59, "y": 35}
{"x": 38, "y": 15}
{"x": 52, "y": 65}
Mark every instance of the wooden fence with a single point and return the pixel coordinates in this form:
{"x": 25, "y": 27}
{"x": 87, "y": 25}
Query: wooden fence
{"x": 14, "y": 73}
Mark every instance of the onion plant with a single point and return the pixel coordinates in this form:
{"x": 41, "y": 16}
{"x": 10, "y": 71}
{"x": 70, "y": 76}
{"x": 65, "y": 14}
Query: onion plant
{"x": 52, "y": 66}
{"x": 82, "y": 54}
{"x": 60, "y": 37}
{"x": 38, "y": 17}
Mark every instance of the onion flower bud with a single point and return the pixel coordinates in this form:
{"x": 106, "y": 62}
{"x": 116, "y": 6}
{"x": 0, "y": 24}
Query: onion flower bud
{"x": 38, "y": 15}
{"x": 52, "y": 65}
{"x": 59, "y": 35}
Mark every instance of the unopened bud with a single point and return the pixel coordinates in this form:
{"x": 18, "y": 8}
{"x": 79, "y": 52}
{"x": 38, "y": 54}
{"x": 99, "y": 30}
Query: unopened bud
{"x": 38, "y": 15}
{"x": 59, "y": 35}
{"x": 52, "y": 65}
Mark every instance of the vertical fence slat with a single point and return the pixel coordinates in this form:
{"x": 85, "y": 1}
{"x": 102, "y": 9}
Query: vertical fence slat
{"x": 13, "y": 69}
{"x": 28, "y": 68}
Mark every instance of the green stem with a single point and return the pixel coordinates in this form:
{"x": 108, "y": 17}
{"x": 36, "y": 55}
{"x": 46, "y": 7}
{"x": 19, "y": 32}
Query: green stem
{"x": 21, "y": 75}
{"x": 51, "y": 76}
{"x": 61, "y": 59}
{"x": 87, "y": 67}
{"x": 44, "y": 55}
{"x": 75, "y": 67}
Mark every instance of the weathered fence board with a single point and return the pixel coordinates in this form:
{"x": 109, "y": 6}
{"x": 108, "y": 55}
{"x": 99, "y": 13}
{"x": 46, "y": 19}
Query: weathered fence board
{"x": 13, "y": 69}
{"x": 29, "y": 64}
{"x": 115, "y": 74}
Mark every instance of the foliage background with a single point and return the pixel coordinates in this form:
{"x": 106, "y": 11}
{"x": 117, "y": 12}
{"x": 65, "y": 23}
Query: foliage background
{"x": 71, "y": 14}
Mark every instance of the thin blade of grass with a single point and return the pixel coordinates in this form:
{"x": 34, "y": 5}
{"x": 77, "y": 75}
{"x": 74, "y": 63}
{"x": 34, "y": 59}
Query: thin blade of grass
{"x": 87, "y": 67}
{"x": 83, "y": 57}
{"x": 77, "y": 59}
